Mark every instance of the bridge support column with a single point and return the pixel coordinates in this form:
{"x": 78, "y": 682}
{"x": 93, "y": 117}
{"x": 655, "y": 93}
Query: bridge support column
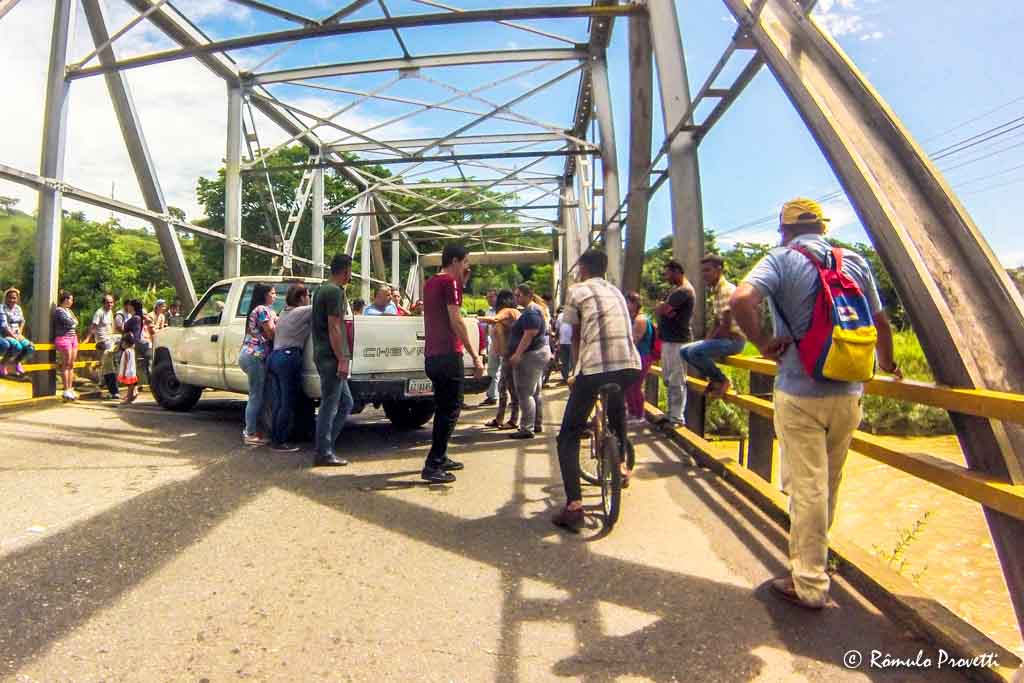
{"x": 683, "y": 171}
{"x": 233, "y": 185}
{"x": 396, "y": 259}
{"x": 138, "y": 153}
{"x": 572, "y": 238}
{"x": 49, "y": 217}
{"x": 640, "y": 88}
{"x": 609, "y": 166}
{"x": 317, "y": 222}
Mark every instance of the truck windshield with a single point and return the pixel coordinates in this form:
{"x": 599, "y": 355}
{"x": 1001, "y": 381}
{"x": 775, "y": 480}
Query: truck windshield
{"x": 280, "y": 287}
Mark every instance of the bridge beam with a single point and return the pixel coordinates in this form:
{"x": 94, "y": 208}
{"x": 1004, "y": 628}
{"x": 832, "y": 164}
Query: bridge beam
{"x": 49, "y": 217}
{"x": 957, "y": 294}
{"x": 609, "y": 166}
{"x": 317, "y": 223}
{"x": 683, "y": 170}
{"x": 233, "y": 185}
{"x": 641, "y": 89}
{"x": 138, "y": 153}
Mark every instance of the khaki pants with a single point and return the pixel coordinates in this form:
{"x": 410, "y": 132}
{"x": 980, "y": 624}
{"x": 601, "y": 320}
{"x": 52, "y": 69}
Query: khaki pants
{"x": 814, "y": 436}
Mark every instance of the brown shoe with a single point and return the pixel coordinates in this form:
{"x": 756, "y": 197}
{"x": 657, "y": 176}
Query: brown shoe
{"x": 569, "y": 519}
{"x": 719, "y": 389}
{"x": 784, "y": 589}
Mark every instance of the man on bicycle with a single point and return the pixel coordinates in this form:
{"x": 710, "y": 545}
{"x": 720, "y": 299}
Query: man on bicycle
{"x": 603, "y": 353}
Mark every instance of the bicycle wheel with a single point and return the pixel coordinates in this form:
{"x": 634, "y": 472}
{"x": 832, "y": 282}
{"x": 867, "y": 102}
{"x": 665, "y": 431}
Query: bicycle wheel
{"x": 589, "y": 462}
{"x": 611, "y": 479}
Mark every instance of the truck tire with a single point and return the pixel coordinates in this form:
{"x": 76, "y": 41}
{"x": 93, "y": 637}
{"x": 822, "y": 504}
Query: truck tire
{"x": 409, "y": 414}
{"x": 171, "y": 393}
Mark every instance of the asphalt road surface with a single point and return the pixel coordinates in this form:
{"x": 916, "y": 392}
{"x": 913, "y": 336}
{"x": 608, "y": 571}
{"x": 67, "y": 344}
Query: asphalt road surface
{"x": 143, "y": 545}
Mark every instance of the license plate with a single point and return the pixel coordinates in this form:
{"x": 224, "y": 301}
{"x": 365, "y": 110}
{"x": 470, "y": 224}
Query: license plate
{"x": 419, "y": 387}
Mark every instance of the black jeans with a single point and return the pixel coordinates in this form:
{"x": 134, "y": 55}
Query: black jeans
{"x": 582, "y": 398}
{"x": 446, "y": 372}
{"x": 284, "y": 375}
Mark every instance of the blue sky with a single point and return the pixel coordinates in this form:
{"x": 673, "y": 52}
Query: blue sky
{"x": 938, "y": 65}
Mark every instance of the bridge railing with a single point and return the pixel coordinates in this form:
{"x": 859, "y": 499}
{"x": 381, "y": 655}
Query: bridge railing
{"x": 753, "y": 477}
{"x": 992, "y": 492}
{"x": 43, "y": 361}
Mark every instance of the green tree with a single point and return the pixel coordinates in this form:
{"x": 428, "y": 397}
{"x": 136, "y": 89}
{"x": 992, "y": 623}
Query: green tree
{"x": 7, "y": 204}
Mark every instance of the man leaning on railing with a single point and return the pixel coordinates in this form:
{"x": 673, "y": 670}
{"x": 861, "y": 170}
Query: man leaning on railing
{"x": 814, "y": 417}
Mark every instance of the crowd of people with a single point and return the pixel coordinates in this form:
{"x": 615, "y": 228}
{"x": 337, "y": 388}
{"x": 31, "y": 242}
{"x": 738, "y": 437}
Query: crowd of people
{"x": 600, "y": 336}
{"x": 611, "y": 341}
{"x": 122, "y": 335}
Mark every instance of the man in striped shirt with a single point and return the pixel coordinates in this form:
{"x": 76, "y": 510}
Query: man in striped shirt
{"x": 604, "y": 353}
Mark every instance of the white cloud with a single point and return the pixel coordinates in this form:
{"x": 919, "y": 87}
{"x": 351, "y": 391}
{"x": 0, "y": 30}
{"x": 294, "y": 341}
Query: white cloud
{"x": 181, "y": 105}
{"x": 845, "y": 18}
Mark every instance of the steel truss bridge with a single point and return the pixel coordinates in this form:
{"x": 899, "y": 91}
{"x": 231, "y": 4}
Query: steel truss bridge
{"x": 969, "y": 314}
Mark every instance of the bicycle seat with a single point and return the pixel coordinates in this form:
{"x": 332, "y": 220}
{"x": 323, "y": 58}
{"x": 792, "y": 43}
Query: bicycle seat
{"x": 610, "y": 388}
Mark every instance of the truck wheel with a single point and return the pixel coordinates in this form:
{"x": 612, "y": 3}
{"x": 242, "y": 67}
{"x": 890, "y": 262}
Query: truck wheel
{"x": 170, "y": 392}
{"x": 409, "y": 414}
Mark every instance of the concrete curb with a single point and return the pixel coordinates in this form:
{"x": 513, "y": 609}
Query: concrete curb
{"x": 891, "y": 592}
{"x": 43, "y": 401}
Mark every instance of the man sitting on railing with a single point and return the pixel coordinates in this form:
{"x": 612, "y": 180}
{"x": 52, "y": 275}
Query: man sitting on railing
{"x": 814, "y": 419}
{"x": 725, "y": 338}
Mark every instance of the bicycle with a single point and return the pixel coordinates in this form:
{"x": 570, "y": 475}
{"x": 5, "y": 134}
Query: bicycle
{"x": 602, "y": 465}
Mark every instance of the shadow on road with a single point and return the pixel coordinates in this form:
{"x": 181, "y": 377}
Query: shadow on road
{"x": 702, "y": 629}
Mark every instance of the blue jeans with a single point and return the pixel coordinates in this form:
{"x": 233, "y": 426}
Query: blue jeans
{"x": 284, "y": 372}
{"x": 335, "y": 407}
{"x": 565, "y": 361}
{"x": 703, "y": 354}
{"x": 256, "y": 370}
{"x": 14, "y": 350}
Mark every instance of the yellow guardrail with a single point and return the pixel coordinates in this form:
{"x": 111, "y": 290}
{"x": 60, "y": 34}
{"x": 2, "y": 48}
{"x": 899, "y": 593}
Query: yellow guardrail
{"x": 996, "y": 405}
{"x": 46, "y": 346}
{"x": 990, "y": 491}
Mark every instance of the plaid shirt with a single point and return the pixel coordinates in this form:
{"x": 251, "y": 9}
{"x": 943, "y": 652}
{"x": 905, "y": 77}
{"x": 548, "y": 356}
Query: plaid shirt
{"x": 720, "y": 296}
{"x": 606, "y": 331}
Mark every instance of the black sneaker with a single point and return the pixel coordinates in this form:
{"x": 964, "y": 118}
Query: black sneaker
{"x": 521, "y": 434}
{"x": 488, "y": 402}
{"x": 284, "y": 447}
{"x": 450, "y": 465}
{"x": 437, "y": 476}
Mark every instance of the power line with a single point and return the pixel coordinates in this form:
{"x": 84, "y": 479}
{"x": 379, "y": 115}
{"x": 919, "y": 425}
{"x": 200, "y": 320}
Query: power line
{"x": 961, "y": 146}
{"x": 948, "y": 151}
{"x": 982, "y": 157}
{"x": 979, "y": 117}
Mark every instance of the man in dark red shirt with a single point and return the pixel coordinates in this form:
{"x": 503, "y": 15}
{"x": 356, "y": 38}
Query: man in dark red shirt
{"x": 446, "y": 339}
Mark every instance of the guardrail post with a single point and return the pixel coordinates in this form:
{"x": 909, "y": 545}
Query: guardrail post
{"x": 762, "y": 430}
{"x": 652, "y": 385}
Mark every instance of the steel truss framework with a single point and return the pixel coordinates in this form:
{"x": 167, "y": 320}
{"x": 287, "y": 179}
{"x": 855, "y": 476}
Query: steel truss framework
{"x": 974, "y": 323}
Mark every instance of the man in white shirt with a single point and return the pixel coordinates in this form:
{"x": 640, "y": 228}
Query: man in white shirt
{"x": 102, "y": 330}
{"x": 564, "y": 346}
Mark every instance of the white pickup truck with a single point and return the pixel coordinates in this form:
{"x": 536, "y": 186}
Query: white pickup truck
{"x": 387, "y": 361}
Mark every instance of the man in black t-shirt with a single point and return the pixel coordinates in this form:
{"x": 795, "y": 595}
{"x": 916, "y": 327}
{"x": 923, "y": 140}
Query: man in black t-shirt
{"x": 674, "y": 316}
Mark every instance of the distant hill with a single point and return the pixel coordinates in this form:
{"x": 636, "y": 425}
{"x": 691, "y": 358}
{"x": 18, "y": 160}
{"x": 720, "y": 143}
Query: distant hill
{"x": 14, "y": 229}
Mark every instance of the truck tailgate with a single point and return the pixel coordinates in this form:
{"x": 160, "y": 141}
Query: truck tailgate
{"x": 393, "y": 345}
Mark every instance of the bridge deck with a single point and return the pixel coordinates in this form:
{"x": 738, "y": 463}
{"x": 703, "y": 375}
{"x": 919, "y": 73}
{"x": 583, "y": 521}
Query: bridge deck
{"x": 138, "y": 544}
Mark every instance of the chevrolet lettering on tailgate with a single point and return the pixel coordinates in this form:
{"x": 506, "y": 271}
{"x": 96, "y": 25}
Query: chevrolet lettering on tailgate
{"x": 392, "y": 352}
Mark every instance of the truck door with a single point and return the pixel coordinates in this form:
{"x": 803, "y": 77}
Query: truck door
{"x": 200, "y": 362}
